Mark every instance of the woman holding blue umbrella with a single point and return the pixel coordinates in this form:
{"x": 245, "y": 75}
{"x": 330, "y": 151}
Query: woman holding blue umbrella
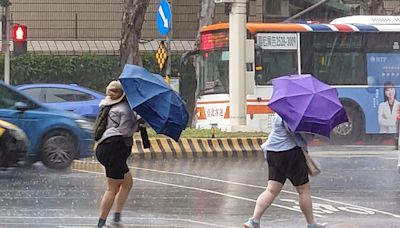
{"x": 284, "y": 153}
{"x": 113, "y": 149}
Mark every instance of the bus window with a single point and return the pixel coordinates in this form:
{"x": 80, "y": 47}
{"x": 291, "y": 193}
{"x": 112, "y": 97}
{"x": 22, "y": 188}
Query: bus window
{"x": 340, "y": 68}
{"x": 383, "y": 42}
{"x": 272, "y": 64}
{"x": 338, "y": 59}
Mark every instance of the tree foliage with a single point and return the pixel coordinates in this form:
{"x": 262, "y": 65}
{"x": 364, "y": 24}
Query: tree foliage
{"x": 90, "y": 70}
{"x": 372, "y": 7}
{"x": 5, "y": 3}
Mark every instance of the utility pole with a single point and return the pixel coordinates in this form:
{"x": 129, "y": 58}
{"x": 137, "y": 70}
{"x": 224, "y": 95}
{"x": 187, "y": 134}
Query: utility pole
{"x": 6, "y": 38}
{"x": 237, "y": 63}
{"x": 168, "y": 70}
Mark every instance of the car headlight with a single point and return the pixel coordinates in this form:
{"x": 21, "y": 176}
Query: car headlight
{"x": 85, "y": 125}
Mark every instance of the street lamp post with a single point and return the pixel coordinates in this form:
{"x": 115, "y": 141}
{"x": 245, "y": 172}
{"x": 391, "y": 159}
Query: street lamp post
{"x": 237, "y": 63}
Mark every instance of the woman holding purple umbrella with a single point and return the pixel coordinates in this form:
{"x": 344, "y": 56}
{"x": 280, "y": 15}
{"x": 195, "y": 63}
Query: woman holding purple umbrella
{"x": 284, "y": 153}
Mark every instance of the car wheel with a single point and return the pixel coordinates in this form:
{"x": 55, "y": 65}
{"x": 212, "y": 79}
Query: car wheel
{"x": 347, "y": 133}
{"x": 58, "y": 150}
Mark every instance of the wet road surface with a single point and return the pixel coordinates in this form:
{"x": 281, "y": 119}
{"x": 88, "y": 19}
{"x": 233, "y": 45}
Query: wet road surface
{"x": 359, "y": 187}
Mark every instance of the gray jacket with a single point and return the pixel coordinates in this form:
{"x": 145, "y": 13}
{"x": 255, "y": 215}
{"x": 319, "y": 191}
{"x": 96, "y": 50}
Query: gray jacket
{"x": 122, "y": 121}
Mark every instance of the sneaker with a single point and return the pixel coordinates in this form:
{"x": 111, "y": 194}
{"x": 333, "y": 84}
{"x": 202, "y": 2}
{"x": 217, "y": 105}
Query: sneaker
{"x": 118, "y": 224}
{"x": 317, "y": 225}
{"x": 251, "y": 224}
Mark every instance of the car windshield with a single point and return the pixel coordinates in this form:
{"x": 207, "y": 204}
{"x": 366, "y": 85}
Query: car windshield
{"x": 9, "y": 98}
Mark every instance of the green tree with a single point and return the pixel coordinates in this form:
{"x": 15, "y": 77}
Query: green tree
{"x": 5, "y": 3}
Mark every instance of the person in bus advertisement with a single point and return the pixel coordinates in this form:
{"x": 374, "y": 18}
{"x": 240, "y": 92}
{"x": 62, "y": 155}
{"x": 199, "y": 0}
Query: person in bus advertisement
{"x": 283, "y": 151}
{"x": 383, "y": 78}
{"x": 387, "y": 111}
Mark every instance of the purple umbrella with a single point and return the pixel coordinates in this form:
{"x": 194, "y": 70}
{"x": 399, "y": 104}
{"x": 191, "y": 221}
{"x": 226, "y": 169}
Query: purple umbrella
{"x": 307, "y": 104}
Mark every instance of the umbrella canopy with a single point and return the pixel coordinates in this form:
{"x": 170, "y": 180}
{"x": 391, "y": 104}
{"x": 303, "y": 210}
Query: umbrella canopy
{"x": 307, "y": 104}
{"x": 154, "y": 100}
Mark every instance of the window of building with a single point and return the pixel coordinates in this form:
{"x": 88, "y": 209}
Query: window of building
{"x": 272, "y": 7}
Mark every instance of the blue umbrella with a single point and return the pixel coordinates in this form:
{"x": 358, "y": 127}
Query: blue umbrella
{"x": 307, "y": 104}
{"x": 154, "y": 100}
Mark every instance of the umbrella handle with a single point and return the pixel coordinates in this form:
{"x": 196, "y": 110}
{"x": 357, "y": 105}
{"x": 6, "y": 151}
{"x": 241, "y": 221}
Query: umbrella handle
{"x": 145, "y": 137}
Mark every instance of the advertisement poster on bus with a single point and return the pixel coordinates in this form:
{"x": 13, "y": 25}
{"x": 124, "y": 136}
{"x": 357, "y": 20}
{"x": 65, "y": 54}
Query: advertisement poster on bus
{"x": 383, "y": 71}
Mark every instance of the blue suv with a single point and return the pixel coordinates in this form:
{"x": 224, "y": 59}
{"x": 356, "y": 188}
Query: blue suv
{"x": 70, "y": 97}
{"x": 56, "y": 137}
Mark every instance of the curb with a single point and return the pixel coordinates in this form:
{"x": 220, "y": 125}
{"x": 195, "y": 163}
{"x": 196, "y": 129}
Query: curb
{"x": 166, "y": 148}
{"x": 88, "y": 164}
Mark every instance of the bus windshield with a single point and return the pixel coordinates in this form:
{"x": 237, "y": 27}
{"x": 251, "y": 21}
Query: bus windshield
{"x": 271, "y": 64}
{"x": 214, "y": 72}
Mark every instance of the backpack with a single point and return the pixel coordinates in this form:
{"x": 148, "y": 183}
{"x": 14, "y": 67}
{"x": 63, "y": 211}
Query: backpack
{"x": 100, "y": 125}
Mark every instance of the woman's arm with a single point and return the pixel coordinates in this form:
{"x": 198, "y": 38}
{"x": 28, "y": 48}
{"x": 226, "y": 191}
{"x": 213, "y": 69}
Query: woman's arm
{"x": 297, "y": 137}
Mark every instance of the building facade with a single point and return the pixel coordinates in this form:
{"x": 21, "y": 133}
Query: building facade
{"x": 100, "y": 20}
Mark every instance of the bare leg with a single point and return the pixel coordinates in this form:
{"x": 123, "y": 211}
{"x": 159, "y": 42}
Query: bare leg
{"x": 107, "y": 201}
{"x": 123, "y": 192}
{"x": 266, "y": 198}
{"x": 306, "y": 202}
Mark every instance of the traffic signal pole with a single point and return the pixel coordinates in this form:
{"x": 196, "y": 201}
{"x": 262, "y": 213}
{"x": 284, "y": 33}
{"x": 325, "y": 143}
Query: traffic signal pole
{"x": 5, "y": 4}
{"x": 6, "y": 46}
{"x": 168, "y": 70}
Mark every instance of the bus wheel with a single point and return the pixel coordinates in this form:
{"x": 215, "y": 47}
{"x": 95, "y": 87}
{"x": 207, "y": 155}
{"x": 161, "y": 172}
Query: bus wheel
{"x": 347, "y": 133}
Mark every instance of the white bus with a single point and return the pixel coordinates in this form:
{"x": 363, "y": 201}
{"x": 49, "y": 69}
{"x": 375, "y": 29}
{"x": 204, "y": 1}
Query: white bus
{"x": 359, "y": 55}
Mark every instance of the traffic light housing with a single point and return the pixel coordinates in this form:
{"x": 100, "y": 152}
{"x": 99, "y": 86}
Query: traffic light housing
{"x": 19, "y": 37}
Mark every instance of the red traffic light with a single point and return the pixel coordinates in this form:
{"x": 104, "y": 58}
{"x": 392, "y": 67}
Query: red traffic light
{"x": 19, "y": 33}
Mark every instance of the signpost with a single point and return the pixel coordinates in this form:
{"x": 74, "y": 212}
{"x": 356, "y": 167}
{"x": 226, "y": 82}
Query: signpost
{"x": 161, "y": 55}
{"x": 164, "y": 18}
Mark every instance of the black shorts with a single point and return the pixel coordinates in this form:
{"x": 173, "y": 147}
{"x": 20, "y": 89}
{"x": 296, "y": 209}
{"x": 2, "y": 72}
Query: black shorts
{"x": 112, "y": 154}
{"x": 289, "y": 164}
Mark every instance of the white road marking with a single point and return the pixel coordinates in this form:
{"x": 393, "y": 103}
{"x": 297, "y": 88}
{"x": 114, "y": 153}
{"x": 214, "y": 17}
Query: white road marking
{"x": 263, "y": 187}
{"x": 203, "y": 190}
{"x": 254, "y": 186}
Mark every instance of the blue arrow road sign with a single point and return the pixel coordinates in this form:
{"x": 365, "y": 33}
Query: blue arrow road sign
{"x": 164, "y": 18}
